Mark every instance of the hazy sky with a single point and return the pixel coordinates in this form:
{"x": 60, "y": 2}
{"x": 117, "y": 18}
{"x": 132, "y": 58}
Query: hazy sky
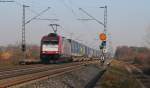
{"x": 128, "y": 20}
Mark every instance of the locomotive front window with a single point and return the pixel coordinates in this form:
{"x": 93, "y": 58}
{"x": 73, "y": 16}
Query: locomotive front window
{"x": 50, "y": 45}
{"x": 51, "y": 42}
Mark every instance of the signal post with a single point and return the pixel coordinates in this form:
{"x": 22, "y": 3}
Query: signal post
{"x": 102, "y": 46}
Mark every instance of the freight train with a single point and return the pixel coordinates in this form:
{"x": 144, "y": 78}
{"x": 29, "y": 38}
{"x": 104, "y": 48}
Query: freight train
{"x": 55, "y": 48}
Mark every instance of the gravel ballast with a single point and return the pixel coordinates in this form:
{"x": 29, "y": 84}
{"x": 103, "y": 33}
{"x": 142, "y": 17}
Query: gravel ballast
{"x": 81, "y": 78}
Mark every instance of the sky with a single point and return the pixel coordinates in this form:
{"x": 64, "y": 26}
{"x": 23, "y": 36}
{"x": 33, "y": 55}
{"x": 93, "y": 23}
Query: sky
{"x": 128, "y": 21}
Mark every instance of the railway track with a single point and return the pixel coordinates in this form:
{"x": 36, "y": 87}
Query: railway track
{"x": 17, "y": 67}
{"x": 23, "y": 70}
{"x": 18, "y": 76}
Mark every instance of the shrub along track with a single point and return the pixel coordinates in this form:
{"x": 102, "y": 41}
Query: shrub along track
{"x": 20, "y": 75}
{"x": 142, "y": 79}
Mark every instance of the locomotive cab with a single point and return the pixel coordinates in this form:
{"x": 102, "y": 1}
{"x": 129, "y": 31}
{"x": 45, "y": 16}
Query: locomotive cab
{"x": 50, "y": 47}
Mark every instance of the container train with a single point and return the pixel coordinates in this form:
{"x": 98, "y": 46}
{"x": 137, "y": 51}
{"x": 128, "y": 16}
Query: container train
{"x": 55, "y": 48}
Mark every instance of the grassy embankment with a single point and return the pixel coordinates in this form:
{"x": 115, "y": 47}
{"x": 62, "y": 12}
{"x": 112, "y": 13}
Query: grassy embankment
{"x": 118, "y": 77}
{"x": 11, "y": 55}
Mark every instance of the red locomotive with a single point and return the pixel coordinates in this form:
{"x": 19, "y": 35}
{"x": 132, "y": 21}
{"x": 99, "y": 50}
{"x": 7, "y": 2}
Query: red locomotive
{"x": 55, "y": 48}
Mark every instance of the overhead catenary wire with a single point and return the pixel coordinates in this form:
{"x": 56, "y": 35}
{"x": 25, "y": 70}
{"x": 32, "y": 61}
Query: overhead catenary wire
{"x": 37, "y": 15}
{"x": 30, "y": 9}
{"x": 68, "y": 7}
{"x": 71, "y": 9}
{"x": 6, "y": 1}
{"x": 91, "y": 16}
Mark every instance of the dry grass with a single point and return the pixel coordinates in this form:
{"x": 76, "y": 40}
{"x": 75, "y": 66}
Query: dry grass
{"x": 118, "y": 77}
{"x": 11, "y": 55}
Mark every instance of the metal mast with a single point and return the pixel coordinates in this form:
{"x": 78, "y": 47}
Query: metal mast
{"x": 23, "y": 30}
{"x": 104, "y": 25}
{"x": 105, "y": 31}
{"x": 105, "y": 18}
{"x": 24, "y": 22}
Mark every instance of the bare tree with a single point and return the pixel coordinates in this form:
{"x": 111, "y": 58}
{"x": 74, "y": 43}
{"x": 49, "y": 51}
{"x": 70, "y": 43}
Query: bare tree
{"x": 147, "y": 37}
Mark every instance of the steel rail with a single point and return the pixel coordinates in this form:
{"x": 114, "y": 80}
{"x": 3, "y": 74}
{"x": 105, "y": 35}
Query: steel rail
{"x": 26, "y": 78}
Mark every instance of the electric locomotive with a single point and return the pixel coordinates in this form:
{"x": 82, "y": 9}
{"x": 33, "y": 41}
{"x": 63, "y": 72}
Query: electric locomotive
{"x": 55, "y": 48}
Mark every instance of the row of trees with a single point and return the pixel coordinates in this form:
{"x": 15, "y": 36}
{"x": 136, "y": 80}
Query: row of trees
{"x": 138, "y": 55}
